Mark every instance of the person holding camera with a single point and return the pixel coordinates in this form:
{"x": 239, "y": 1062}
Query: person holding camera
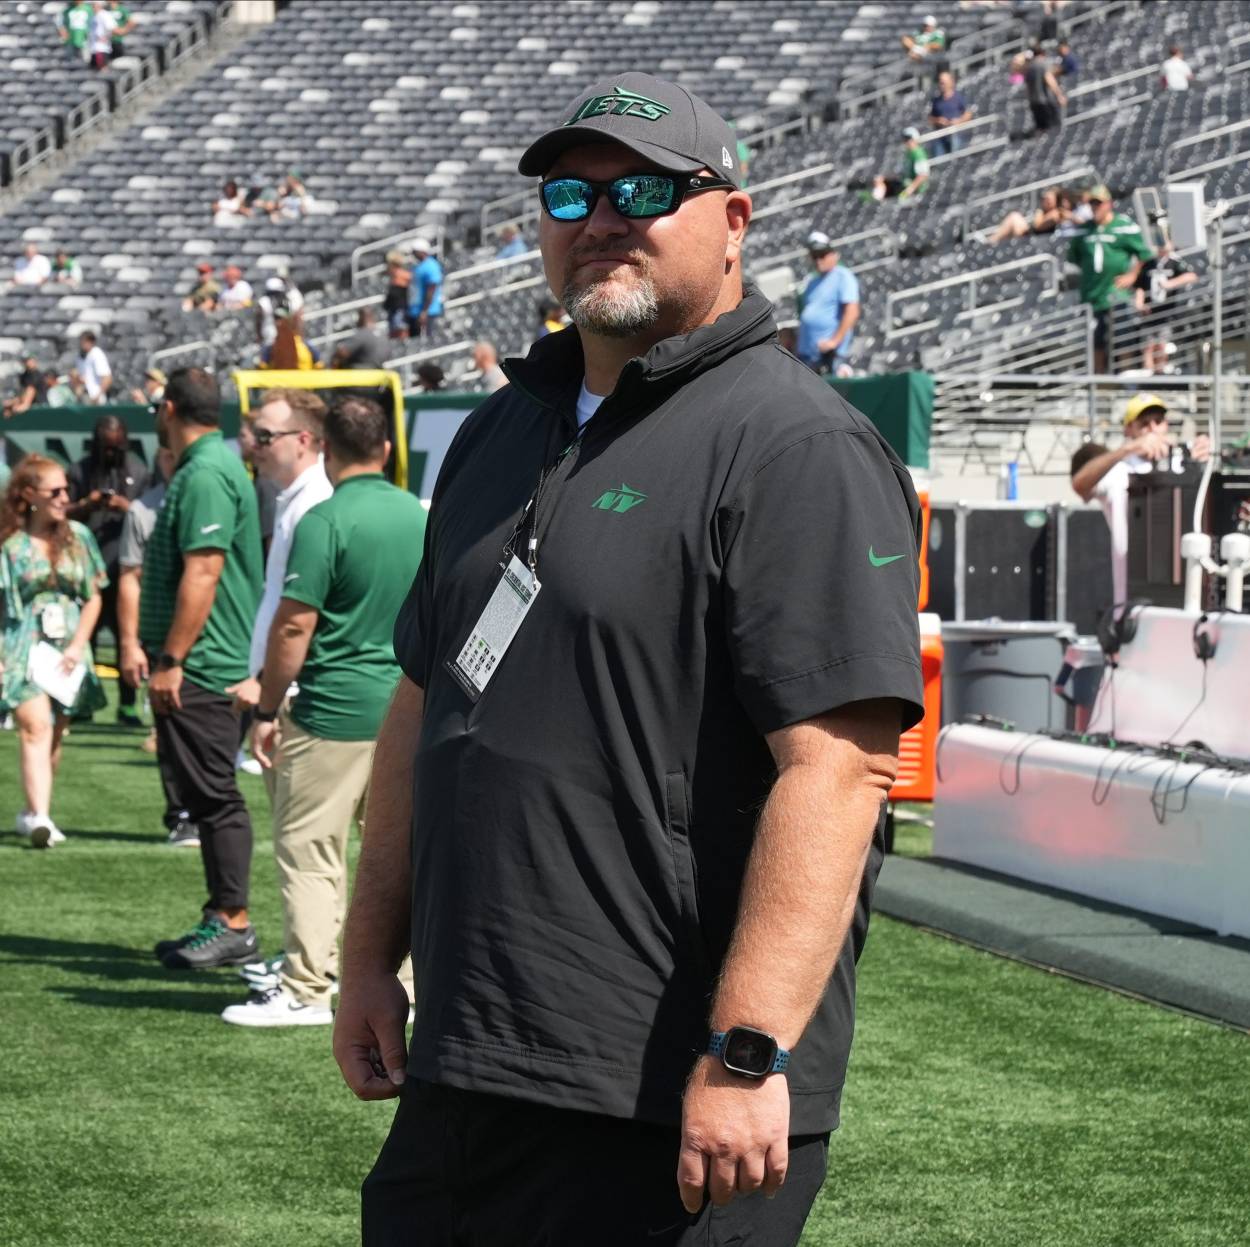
{"x": 102, "y": 485}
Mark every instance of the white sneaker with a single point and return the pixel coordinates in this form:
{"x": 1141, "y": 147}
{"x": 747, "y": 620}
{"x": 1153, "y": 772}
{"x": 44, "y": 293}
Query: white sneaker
{"x": 247, "y": 765}
{"x": 23, "y": 822}
{"x": 44, "y": 833}
{"x": 276, "y": 1007}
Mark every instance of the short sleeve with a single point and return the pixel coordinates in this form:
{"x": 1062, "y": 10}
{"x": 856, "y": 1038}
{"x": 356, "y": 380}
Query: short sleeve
{"x": 920, "y": 165}
{"x": 850, "y": 286}
{"x": 412, "y": 625}
{"x": 206, "y": 514}
{"x": 821, "y": 582}
{"x": 1074, "y": 251}
{"x": 310, "y": 565}
{"x": 92, "y": 572}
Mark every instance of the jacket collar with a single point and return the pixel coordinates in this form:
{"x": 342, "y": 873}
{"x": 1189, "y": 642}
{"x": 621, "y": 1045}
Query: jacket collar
{"x": 552, "y": 372}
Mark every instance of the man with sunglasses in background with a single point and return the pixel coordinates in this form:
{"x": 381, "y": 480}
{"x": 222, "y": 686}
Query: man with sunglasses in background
{"x": 627, "y": 804}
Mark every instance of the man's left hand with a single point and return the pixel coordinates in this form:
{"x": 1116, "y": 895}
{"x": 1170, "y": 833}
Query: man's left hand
{"x": 164, "y": 690}
{"x": 734, "y": 1135}
{"x": 266, "y": 740}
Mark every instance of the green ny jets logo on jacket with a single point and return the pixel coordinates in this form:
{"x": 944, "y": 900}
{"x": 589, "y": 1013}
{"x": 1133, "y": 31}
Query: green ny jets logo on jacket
{"x": 619, "y": 500}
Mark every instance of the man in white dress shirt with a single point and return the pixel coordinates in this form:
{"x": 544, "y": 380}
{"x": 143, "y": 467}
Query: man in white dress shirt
{"x": 288, "y": 430}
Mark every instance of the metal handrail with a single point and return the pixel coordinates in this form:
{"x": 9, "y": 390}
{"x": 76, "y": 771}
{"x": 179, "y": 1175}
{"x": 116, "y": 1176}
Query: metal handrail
{"x": 183, "y": 348}
{"x": 1057, "y": 179}
{"x": 385, "y": 244}
{"x": 1182, "y": 175}
{"x": 514, "y": 197}
{"x": 1088, "y": 88}
{"x": 889, "y": 237}
{"x": 785, "y": 179}
{"x": 894, "y": 297}
{"x": 962, "y": 127}
{"x": 1225, "y": 131}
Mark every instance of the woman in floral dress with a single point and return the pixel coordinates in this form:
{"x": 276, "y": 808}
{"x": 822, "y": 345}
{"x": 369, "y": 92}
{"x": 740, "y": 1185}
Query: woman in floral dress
{"x": 51, "y": 573}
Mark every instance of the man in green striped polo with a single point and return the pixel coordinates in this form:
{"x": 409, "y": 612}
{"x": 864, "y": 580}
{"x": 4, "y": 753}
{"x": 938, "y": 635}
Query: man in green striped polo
{"x": 200, "y": 592}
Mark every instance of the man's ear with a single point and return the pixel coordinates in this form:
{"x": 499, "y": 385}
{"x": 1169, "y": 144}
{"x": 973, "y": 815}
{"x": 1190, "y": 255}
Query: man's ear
{"x": 737, "y": 216}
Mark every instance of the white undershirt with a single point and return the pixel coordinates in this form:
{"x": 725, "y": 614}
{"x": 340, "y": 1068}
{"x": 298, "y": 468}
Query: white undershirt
{"x": 587, "y": 405}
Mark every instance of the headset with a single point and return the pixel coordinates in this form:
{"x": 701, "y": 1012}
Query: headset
{"x": 1115, "y": 630}
{"x": 1206, "y": 643}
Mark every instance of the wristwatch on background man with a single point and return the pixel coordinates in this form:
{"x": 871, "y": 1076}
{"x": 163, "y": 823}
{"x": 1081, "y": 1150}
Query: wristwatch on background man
{"x": 749, "y": 1052}
{"x": 167, "y": 662}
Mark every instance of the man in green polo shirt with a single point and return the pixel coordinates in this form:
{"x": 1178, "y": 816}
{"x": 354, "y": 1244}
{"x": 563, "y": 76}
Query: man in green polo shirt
{"x": 200, "y": 592}
{"x": 1109, "y": 251}
{"x": 74, "y": 27}
{"x": 352, "y": 560}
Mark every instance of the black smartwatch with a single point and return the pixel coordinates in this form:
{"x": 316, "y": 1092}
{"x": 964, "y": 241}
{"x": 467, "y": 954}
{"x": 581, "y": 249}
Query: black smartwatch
{"x": 167, "y": 662}
{"x": 264, "y": 716}
{"x": 749, "y": 1052}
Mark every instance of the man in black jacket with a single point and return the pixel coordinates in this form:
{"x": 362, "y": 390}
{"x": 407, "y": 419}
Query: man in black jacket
{"x": 627, "y": 806}
{"x": 102, "y": 486}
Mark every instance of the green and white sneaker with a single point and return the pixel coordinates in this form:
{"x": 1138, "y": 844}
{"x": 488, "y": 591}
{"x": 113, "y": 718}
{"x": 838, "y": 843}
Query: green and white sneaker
{"x": 276, "y": 1007}
{"x": 261, "y": 975}
{"x": 214, "y": 944}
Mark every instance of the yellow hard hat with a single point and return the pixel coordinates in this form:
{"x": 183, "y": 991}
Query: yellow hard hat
{"x": 1139, "y": 404}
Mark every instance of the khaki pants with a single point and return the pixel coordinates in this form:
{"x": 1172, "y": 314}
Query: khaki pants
{"x": 319, "y": 790}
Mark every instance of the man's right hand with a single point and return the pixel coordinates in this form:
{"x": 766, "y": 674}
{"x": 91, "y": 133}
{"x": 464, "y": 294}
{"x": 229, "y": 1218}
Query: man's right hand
{"x": 369, "y": 1036}
{"x": 1152, "y": 445}
{"x": 134, "y": 665}
{"x": 246, "y": 694}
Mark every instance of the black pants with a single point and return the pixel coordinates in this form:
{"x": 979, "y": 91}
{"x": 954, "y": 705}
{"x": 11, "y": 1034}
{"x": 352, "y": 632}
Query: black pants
{"x": 464, "y": 1169}
{"x": 126, "y": 695}
{"x": 1045, "y": 116}
{"x": 196, "y": 747}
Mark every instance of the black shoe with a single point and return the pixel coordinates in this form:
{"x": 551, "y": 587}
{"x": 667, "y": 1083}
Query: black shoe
{"x": 129, "y": 718}
{"x": 215, "y": 944}
{"x": 184, "y": 836}
{"x": 164, "y": 947}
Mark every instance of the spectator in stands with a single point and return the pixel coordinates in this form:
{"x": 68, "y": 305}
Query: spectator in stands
{"x": 1046, "y": 98}
{"x": 293, "y": 200}
{"x": 153, "y": 390}
{"x": 1048, "y": 26}
{"x": 237, "y": 293}
{"x": 206, "y": 291}
{"x": 1104, "y": 474}
{"x": 1049, "y": 216}
{"x": 551, "y": 317}
{"x": 231, "y": 207}
{"x": 351, "y": 559}
{"x": 281, "y": 299}
{"x": 33, "y": 268}
{"x": 1015, "y": 69}
{"x": 395, "y": 301}
{"x": 926, "y": 43}
{"x": 511, "y": 244}
{"x": 430, "y": 378}
{"x": 425, "y": 295}
{"x": 59, "y": 392}
{"x": 1159, "y": 278}
{"x": 92, "y": 377}
{"x": 486, "y": 361}
{"x": 102, "y": 485}
{"x": 289, "y": 430}
{"x": 366, "y": 348}
{"x": 200, "y": 591}
{"x": 1109, "y": 252}
{"x": 1069, "y": 65}
{"x": 66, "y": 271}
{"x": 50, "y": 580}
{"x": 1175, "y": 73}
{"x": 74, "y": 28}
{"x": 289, "y": 350}
{"x": 949, "y": 108}
{"x": 913, "y": 173}
{"x": 32, "y": 389}
{"x": 828, "y": 310}
{"x": 100, "y": 41}
{"x": 124, "y": 23}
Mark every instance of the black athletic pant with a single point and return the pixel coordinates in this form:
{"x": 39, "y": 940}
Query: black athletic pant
{"x": 465, "y": 1169}
{"x": 126, "y": 695}
{"x": 197, "y": 746}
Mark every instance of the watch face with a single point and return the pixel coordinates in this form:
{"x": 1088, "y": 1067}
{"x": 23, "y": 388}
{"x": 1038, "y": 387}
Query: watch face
{"x": 750, "y": 1052}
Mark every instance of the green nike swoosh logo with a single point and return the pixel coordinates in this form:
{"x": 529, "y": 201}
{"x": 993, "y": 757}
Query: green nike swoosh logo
{"x": 881, "y": 562}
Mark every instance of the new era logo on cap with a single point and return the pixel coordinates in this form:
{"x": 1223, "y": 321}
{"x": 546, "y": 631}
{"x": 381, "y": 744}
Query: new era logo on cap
{"x": 662, "y": 122}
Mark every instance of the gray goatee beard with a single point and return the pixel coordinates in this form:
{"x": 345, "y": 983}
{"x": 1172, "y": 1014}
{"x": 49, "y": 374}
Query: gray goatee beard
{"x": 610, "y": 308}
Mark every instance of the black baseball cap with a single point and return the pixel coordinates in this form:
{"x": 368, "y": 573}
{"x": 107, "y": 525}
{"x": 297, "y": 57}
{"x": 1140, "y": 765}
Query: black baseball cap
{"x": 664, "y": 123}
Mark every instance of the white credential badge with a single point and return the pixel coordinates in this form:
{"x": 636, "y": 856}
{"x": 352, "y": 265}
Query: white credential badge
{"x": 489, "y": 638}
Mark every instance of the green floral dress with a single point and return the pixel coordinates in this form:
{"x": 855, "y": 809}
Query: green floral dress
{"x": 28, "y": 586}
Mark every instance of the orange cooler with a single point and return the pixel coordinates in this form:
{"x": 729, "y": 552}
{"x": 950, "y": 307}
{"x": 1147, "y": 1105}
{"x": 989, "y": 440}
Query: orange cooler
{"x": 917, "y": 750}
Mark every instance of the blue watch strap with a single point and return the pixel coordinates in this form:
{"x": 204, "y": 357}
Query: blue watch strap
{"x": 716, "y": 1047}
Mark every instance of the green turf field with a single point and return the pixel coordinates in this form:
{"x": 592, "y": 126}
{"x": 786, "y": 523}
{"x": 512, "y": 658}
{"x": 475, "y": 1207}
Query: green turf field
{"x": 988, "y": 1103}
